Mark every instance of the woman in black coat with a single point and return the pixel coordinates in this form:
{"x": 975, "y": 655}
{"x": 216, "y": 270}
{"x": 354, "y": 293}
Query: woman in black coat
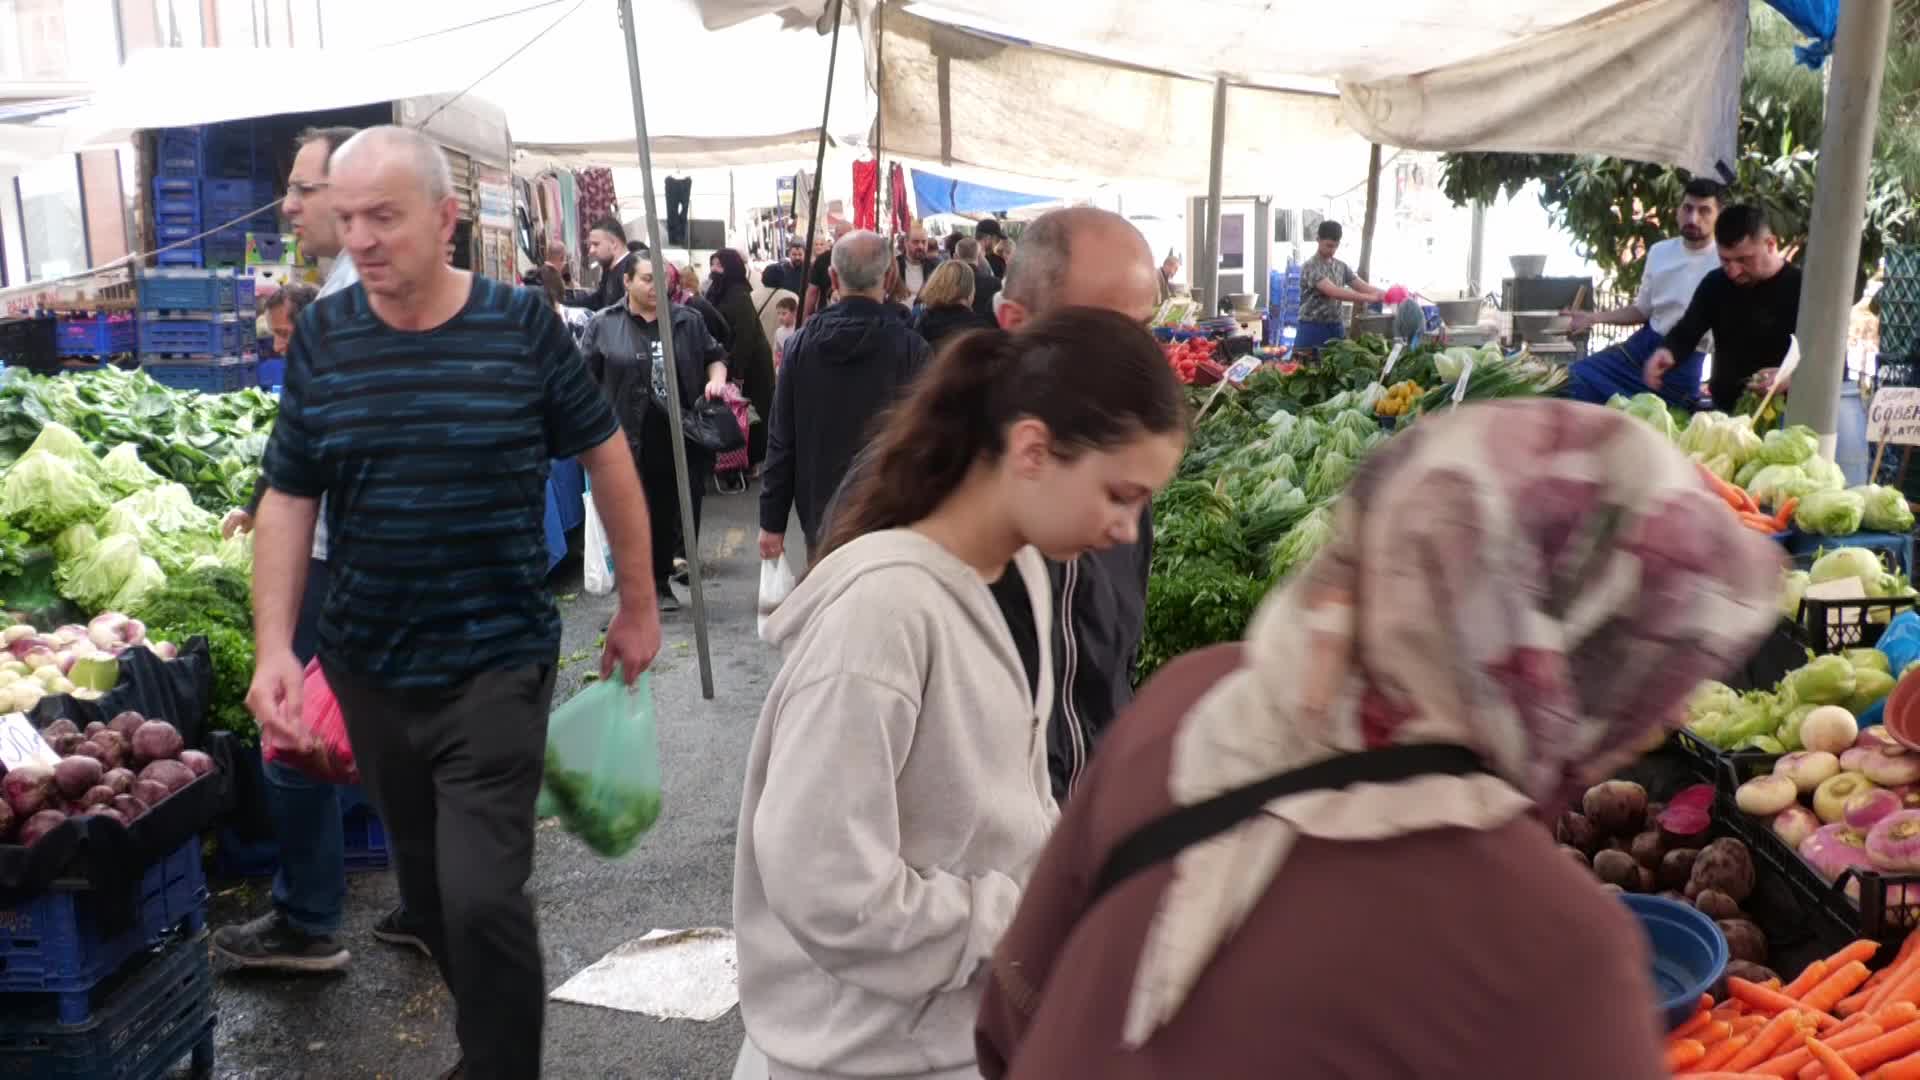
{"x": 946, "y": 304}
{"x": 751, "y": 357}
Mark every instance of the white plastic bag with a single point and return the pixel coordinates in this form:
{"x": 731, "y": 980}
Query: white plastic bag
{"x": 597, "y": 563}
{"x": 776, "y": 581}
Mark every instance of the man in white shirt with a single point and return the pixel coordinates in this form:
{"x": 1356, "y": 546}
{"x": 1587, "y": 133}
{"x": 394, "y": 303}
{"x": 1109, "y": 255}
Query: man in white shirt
{"x": 1674, "y": 269}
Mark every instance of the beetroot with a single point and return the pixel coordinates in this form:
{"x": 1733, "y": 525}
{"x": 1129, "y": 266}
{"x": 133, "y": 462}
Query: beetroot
{"x": 199, "y": 762}
{"x": 1698, "y": 796}
{"x": 1618, "y": 808}
{"x": 93, "y": 729}
{"x": 126, "y": 723}
{"x": 1574, "y": 830}
{"x": 1647, "y": 849}
{"x": 149, "y": 792}
{"x": 29, "y": 789}
{"x": 156, "y": 740}
{"x": 99, "y": 795}
{"x": 89, "y": 748}
{"x": 65, "y": 744}
{"x": 1744, "y": 940}
{"x": 1750, "y": 971}
{"x": 168, "y": 772}
{"x": 114, "y": 747}
{"x": 61, "y": 726}
{"x": 1684, "y": 824}
{"x": 120, "y": 780}
{"x": 6, "y": 821}
{"x": 1725, "y": 865}
{"x": 107, "y": 812}
{"x": 74, "y": 775}
{"x": 130, "y": 808}
{"x": 40, "y": 825}
{"x": 1617, "y": 868}
{"x": 1578, "y": 856}
{"x": 1676, "y": 867}
{"x": 1716, "y": 905}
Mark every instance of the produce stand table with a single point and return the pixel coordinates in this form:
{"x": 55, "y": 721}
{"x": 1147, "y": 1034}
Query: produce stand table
{"x": 1899, "y": 545}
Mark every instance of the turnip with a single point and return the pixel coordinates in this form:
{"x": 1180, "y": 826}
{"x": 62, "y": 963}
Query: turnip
{"x": 89, "y": 748}
{"x": 1794, "y": 824}
{"x": 130, "y": 808}
{"x": 1854, "y": 758}
{"x": 150, "y": 792}
{"x": 1868, "y": 808}
{"x": 1891, "y": 769}
{"x": 168, "y": 772}
{"x": 23, "y": 647}
{"x": 1878, "y": 738}
{"x": 1830, "y": 728}
{"x": 114, "y": 748}
{"x": 74, "y": 775}
{"x": 29, "y": 789}
{"x": 199, "y": 762}
{"x": 1894, "y": 842}
{"x": 15, "y": 632}
{"x": 1836, "y": 849}
{"x": 65, "y": 745}
{"x": 165, "y": 650}
{"x": 109, "y": 628}
{"x": 156, "y": 740}
{"x": 1764, "y": 796}
{"x": 93, "y": 729}
{"x": 25, "y": 694}
{"x": 40, "y": 825}
{"x": 1808, "y": 769}
{"x": 120, "y": 780}
{"x": 1830, "y": 798}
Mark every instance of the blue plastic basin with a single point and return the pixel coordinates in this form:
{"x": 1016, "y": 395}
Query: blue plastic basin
{"x": 1689, "y": 953}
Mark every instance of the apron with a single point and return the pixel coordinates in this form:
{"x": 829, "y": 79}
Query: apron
{"x": 1622, "y": 370}
{"x": 1312, "y": 335}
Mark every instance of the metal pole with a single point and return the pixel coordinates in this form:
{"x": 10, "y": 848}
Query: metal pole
{"x": 883, "y": 191}
{"x": 819, "y": 167}
{"x": 1372, "y": 218}
{"x": 1477, "y": 248}
{"x": 1839, "y": 211}
{"x": 1208, "y": 278}
{"x": 656, "y": 252}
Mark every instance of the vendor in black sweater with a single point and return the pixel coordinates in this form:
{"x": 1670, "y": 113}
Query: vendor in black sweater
{"x": 1750, "y": 305}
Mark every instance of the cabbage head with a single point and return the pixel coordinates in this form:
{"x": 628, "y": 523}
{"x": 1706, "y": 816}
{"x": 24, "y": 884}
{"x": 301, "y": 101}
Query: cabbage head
{"x": 1790, "y": 446}
{"x": 1830, "y": 513}
{"x": 123, "y": 473}
{"x": 1747, "y": 472}
{"x": 1868, "y": 658}
{"x": 60, "y": 441}
{"x": 1825, "y": 680}
{"x": 1711, "y": 696}
{"x": 1846, "y": 562}
{"x": 96, "y": 577}
{"x": 74, "y": 541}
{"x": 1870, "y": 687}
{"x": 44, "y": 493}
{"x": 1788, "y": 731}
{"x": 1887, "y": 509}
{"x": 1792, "y": 591}
{"x": 1652, "y": 408}
{"x": 1721, "y": 466}
{"x": 143, "y": 581}
{"x": 1826, "y": 475}
{"x": 1773, "y": 485}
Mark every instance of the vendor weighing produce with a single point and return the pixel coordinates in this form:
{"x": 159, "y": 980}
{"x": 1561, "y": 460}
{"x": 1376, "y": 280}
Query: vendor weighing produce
{"x": 1750, "y": 305}
{"x": 1324, "y": 283}
{"x": 1674, "y": 269}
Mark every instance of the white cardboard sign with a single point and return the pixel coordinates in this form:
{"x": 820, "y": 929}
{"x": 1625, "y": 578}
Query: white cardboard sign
{"x": 20, "y": 744}
{"x": 1894, "y": 416}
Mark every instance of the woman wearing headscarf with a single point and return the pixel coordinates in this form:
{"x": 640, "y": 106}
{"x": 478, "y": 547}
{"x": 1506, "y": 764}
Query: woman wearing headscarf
{"x": 731, "y": 291}
{"x": 1517, "y": 597}
{"x": 684, "y": 283}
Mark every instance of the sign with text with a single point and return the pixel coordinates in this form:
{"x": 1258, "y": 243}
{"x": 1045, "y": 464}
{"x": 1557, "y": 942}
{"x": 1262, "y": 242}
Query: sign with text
{"x": 20, "y": 744}
{"x": 1894, "y": 416}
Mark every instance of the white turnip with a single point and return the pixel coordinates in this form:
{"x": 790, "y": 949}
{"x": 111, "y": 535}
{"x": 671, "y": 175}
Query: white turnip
{"x": 1830, "y": 728}
{"x": 1894, "y": 842}
{"x": 1830, "y": 798}
{"x": 1764, "y": 796}
{"x": 1794, "y": 824}
{"x": 1808, "y": 769}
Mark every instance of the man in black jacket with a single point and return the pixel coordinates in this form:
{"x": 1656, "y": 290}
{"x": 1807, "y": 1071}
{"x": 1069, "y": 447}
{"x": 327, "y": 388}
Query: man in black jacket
{"x": 842, "y": 369}
{"x": 918, "y": 262}
{"x": 790, "y": 275}
{"x": 607, "y": 245}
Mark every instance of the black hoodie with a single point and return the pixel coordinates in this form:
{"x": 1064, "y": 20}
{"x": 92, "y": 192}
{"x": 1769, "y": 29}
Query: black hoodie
{"x": 842, "y": 370}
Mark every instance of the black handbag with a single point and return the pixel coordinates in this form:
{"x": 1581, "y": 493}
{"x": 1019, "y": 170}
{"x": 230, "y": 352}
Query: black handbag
{"x": 711, "y": 425}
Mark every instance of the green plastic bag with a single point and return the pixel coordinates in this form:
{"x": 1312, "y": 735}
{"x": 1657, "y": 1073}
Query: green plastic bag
{"x": 603, "y": 765}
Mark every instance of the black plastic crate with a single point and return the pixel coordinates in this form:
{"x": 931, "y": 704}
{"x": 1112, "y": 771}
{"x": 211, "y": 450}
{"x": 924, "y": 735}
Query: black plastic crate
{"x": 158, "y": 1011}
{"x": 1833, "y": 625}
{"x": 1864, "y": 903}
{"x": 1726, "y": 769}
{"x": 32, "y": 342}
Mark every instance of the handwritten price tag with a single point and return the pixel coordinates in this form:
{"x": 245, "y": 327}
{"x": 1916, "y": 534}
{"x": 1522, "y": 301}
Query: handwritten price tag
{"x": 1392, "y": 359}
{"x": 20, "y": 744}
{"x": 1460, "y": 388}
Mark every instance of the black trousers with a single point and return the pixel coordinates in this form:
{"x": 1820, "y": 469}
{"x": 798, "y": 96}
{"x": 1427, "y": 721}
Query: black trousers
{"x": 654, "y": 457}
{"x": 454, "y": 774}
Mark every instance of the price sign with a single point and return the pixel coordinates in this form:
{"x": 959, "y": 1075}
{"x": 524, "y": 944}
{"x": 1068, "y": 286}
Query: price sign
{"x": 1392, "y": 359}
{"x": 1894, "y": 416}
{"x": 1460, "y": 388}
{"x": 20, "y": 744}
{"x": 1241, "y": 369}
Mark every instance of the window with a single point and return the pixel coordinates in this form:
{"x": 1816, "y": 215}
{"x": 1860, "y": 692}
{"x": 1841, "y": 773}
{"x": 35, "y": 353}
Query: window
{"x": 179, "y": 23}
{"x": 52, "y": 225}
{"x": 56, "y": 40}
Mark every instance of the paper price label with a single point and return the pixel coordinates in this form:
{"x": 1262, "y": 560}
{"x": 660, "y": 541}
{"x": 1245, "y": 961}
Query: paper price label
{"x": 1242, "y": 368}
{"x": 20, "y": 744}
{"x": 1392, "y": 359}
{"x": 1460, "y": 388}
{"x": 1893, "y": 416}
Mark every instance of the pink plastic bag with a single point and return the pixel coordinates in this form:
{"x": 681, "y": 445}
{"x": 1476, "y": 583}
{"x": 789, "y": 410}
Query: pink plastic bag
{"x": 331, "y": 756}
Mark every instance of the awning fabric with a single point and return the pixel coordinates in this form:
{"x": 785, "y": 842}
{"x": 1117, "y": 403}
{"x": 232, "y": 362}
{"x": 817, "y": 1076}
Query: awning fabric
{"x": 936, "y": 194}
{"x": 1818, "y": 19}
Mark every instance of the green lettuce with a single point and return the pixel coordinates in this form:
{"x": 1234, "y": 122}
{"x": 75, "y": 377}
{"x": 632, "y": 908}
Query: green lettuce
{"x": 1846, "y": 562}
{"x": 1773, "y": 485}
{"x": 1887, "y": 509}
{"x": 1826, "y": 475}
{"x": 44, "y": 493}
{"x": 1870, "y": 687}
{"x": 1652, "y": 409}
{"x": 1826, "y": 680}
{"x": 96, "y": 577}
{"x": 1830, "y": 513}
{"x": 1788, "y": 730}
{"x": 74, "y": 541}
{"x": 1868, "y": 658}
{"x": 123, "y": 473}
{"x": 1793, "y": 591}
{"x": 1711, "y": 696}
{"x": 145, "y": 579}
{"x": 1789, "y": 446}
{"x": 60, "y": 441}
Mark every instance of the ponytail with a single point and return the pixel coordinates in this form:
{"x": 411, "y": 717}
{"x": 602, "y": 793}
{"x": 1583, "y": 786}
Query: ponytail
{"x": 1094, "y": 377}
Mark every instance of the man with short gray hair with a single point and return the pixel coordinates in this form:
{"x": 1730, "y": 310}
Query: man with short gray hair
{"x": 842, "y": 369}
{"x": 986, "y": 284}
{"x": 425, "y": 404}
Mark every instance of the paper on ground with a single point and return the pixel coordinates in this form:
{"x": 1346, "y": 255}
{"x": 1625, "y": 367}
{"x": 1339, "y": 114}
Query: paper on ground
{"x": 669, "y": 974}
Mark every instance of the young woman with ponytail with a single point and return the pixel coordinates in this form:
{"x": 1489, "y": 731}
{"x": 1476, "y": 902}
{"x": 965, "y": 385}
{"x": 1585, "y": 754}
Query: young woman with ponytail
{"x": 897, "y": 790}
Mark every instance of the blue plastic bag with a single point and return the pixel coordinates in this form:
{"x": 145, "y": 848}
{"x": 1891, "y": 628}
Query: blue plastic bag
{"x": 1901, "y": 642}
{"x": 603, "y": 765}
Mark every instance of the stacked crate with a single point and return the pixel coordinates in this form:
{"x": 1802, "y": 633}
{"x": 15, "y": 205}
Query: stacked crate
{"x": 86, "y": 994}
{"x": 196, "y": 329}
{"x": 204, "y": 178}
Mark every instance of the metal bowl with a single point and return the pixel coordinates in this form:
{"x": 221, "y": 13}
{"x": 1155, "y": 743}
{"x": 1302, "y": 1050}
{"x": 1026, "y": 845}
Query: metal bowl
{"x": 1538, "y": 325}
{"x": 1460, "y": 312}
{"x": 1373, "y": 324}
{"x": 1243, "y": 301}
{"x": 1528, "y": 266}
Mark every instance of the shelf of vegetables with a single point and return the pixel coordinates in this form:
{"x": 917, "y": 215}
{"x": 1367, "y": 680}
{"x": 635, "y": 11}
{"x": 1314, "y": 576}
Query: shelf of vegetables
{"x": 1253, "y": 497}
{"x": 109, "y": 501}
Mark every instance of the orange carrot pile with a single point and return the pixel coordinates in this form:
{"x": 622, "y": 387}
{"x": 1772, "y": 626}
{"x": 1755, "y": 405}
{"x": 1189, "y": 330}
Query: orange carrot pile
{"x": 1837, "y": 1021}
{"x": 1741, "y": 503}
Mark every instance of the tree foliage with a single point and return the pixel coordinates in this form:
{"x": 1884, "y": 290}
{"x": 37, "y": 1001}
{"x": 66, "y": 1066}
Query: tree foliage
{"x": 1615, "y": 209}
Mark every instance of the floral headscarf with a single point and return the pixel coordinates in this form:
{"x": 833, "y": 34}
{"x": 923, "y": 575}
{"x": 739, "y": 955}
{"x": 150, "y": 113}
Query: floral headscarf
{"x": 1542, "y": 582}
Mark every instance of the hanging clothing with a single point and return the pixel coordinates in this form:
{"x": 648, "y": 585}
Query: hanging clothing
{"x": 596, "y": 198}
{"x": 866, "y": 187}
{"x": 679, "y": 200}
{"x": 899, "y": 211}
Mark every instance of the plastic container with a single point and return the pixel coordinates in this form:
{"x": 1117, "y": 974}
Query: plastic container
{"x": 54, "y": 944}
{"x": 1689, "y": 953}
{"x": 220, "y": 376}
{"x": 180, "y": 258}
{"x": 159, "y": 1011}
{"x": 95, "y": 335}
{"x": 179, "y": 153}
{"x": 1832, "y": 625}
{"x": 176, "y": 195}
{"x": 203, "y": 336}
{"x": 199, "y": 292}
{"x": 365, "y": 847}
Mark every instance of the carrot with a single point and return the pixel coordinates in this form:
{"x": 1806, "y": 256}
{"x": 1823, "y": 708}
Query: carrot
{"x": 1906, "y": 1068}
{"x": 1853, "y": 1003}
{"x": 1748, "y": 1024}
{"x": 1808, "y": 979}
{"x": 1894, "y": 1044}
{"x": 1682, "y": 1053}
{"x": 1837, "y": 1068}
{"x": 1904, "y": 986}
{"x": 1718, "y": 1031}
{"x": 1700, "y": 1021}
{"x": 1842, "y": 982}
{"x": 1768, "y": 1040}
{"x": 1768, "y": 1001}
{"x": 1790, "y": 1064}
{"x": 1862, "y": 950}
{"x": 1783, "y": 517}
{"x": 1718, "y": 1056}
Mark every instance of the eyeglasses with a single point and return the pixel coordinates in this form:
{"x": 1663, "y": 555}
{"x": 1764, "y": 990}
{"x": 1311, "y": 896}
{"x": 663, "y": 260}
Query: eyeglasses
{"x": 304, "y": 189}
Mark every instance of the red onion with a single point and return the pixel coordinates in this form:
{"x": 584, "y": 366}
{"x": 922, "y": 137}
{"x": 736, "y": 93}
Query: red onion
{"x": 1894, "y": 843}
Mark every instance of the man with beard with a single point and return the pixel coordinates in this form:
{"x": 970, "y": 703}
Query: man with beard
{"x": 790, "y": 275}
{"x": 1674, "y": 269}
{"x": 607, "y": 245}
{"x": 1750, "y": 306}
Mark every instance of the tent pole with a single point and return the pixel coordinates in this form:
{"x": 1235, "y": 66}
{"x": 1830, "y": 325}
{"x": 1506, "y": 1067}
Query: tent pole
{"x": 819, "y": 167}
{"x": 657, "y": 253}
{"x": 1209, "y": 276}
{"x": 1839, "y": 211}
{"x": 1477, "y": 248}
{"x": 1372, "y": 220}
{"x": 883, "y": 191}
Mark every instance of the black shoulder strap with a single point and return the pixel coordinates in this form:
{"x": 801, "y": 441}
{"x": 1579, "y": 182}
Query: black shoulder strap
{"x": 1165, "y": 837}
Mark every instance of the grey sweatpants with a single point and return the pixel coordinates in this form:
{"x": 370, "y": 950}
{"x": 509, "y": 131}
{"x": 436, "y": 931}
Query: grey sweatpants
{"x": 454, "y": 774}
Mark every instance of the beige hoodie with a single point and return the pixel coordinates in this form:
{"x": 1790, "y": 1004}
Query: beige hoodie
{"x": 896, "y": 800}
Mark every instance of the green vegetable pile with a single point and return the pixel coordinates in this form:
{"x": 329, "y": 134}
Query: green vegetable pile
{"x": 1769, "y": 721}
{"x": 215, "y": 602}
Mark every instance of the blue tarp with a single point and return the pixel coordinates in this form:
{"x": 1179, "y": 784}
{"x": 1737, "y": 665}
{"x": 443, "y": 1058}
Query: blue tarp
{"x": 1818, "y": 19}
{"x": 935, "y": 194}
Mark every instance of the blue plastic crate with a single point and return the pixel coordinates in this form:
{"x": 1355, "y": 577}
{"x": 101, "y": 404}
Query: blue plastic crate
{"x": 53, "y": 943}
{"x": 365, "y": 843}
{"x": 95, "y": 335}
{"x": 181, "y": 258}
{"x": 273, "y": 373}
{"x": 201, "y": 292}
{"x": 180, "y": 152}
{"x": 176, "y": 195}
{"x": 227, "y": 249}
{"x": 214, "y": 376}
{"x": 206, "y": 335}
{"x": 170, "y": 228}
{"x": 146, "y": 1021}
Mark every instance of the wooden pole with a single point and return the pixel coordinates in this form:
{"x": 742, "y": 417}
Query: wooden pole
{"x": 1365, "y": 269}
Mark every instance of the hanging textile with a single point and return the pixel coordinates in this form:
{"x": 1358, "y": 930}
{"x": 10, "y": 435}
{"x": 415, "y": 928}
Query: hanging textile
{"x": 1818, "y": 19}
{"x": 866, "y": 187}
{"x": 595, "y": 197}
{"x": 679, "y": 200}
{"x": 898, "y": 210}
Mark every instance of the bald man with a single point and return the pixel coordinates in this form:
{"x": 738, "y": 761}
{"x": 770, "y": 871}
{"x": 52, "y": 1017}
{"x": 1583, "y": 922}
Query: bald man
{"x": 425, "y": 404}
{"x": 1082, "y": 257}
